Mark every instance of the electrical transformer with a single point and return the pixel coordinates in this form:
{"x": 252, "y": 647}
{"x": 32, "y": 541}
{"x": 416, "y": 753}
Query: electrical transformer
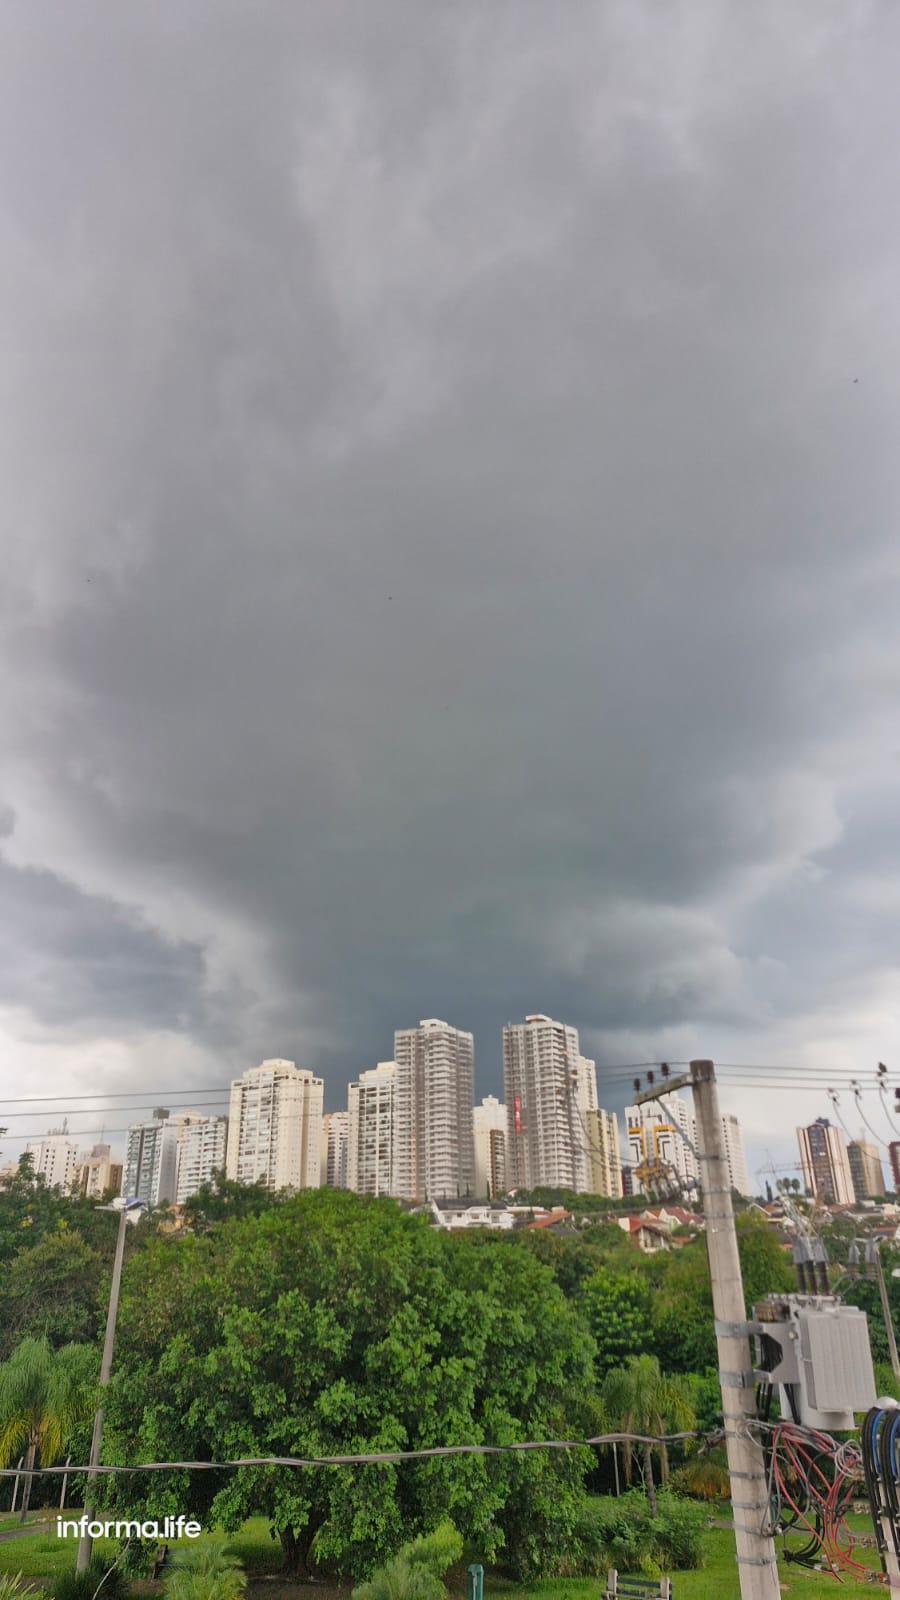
{"x": 816, "y": 1352}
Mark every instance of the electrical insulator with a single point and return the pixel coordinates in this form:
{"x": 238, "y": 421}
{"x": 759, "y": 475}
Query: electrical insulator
{"x": 650, "y": 1079}
{"x": 882, "y": 1070}
{"x": 637, "y": 1086}
{"x": 664, "y": 1068}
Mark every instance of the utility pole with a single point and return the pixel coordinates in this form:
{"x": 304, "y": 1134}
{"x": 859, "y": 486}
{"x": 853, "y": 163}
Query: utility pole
{"x": 129, "y": 1211}
{"x": 757, "y": 1566}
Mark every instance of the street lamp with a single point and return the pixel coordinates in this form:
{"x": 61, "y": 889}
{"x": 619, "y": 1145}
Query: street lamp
{"x": 129, "y": 1211}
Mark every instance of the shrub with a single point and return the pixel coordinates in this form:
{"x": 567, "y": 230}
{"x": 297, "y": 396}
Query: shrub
{"x": 610, "y": 1533}
{"x": 416, "y": 1570}
{"x": 11, "y": 1588}
{"x": 677, "y": 1532}
{"x": 137, "y": 1557}
{"x": 72, "y": 1585}
{"x": 621, "y": 1533}
{"x": 204, "y": 1572}
{"x": 703, "y": 1477}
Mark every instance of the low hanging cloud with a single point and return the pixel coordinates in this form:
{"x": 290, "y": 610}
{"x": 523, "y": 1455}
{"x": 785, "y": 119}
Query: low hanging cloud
{"x": 449, "y": 553}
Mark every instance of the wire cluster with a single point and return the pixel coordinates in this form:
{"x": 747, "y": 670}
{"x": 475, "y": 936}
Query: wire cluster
{"x": 813, "y": 1481}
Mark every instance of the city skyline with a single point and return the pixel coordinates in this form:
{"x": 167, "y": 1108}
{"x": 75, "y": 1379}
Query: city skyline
{"x": 395, "y": 1136}
{"x": 357, "y": 1148}
{"x": 762, "y": 1165}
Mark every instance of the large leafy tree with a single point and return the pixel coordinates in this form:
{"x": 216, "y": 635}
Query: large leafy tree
{"x": 573, "y": 1258}
{"x": 51, "y": 1289}
{"x": 618, "y": 1309}
{"x": 333, "y": 1325}
{"x": 44, "y": 1395}
{"x": 641, "y": 1400}
{"x": 683, "y": 1332}
{"x": 223, "y": 1200}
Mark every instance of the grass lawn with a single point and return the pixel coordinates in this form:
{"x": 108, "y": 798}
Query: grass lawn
{"x": 39, "y": 1556}
{"x": 718, "y": 1580}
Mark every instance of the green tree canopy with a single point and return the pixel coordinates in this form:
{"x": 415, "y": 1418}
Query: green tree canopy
{"x": 683, "y": 1332}
{"x": 223, "y": 1200}
{"x": 618, "y": 1311}
{"x": 51, "y": 1289}
{"x": 329, "y": 1325}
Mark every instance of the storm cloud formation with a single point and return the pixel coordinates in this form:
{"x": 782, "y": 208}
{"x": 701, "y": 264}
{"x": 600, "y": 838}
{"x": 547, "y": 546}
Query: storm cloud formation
{"x": 450, "y": 479}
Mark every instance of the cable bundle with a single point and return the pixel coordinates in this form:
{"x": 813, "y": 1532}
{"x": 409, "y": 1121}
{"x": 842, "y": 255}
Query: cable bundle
{"x": 813, "y": 1480}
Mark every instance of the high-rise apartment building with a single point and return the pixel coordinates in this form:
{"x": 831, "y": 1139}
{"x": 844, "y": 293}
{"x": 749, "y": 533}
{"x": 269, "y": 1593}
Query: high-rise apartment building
{"x": 662, "y": 1144}
{"x": 335, "y": 1144}
{"x": 825, "y": 1163}
{"x": 97, "y": 1174}
{"x": 548, "y": 1087}
{"x": 865, "y": 1170}
{"x": 275, "y": 1127}
{"x": 371, "y": 1106}
{"x": 602, "y": 1129}
{"x": 894, "y": 1154}
{"x": 150, "y": 1154}
{"x": 199, "y": 1153}
{"x": 490, "y": 1148}
{"x": 738, "y": 1176}
{"x": 434, "y": 1152}
{"x": 54, "y": 1158}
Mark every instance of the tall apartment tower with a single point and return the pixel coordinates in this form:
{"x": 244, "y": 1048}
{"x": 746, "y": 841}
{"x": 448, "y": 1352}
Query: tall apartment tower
{"x": 199, "y": 1152}
{"x": 602, "y": 1129}
{"x": 434, "y": 1151}
{"x": 150, "y": 1155}
{"x": 825, "y": 1163}
{"x": 371, "y": 1104}
{"x": 275, "y": 1127}
{"x": 335, "y": 1131}
{"x": 490, "y": 1148}
{"x": 738, "y": 1176}
{"x": 97, "y": 1174}
{"x": 865, "y": 1170}
{"x": 661, "y": 1145}
{"x": 54, "y": 1158}
{"x": 894, "y": 1153}
{"x": 549, "y": 1086}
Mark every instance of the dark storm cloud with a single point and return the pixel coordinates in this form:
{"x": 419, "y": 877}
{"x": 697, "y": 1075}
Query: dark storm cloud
{"x": 77, "y": 958}
{"x": 449, "y": 549}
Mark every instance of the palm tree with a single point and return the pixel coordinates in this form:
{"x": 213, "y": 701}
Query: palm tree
{"x": 640, "y": 1399}
{"x": 44, "y": 1395}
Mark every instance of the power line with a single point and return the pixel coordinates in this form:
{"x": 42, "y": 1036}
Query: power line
{"x": 151, "y": 1096}
{"x": 386, "y": 1456}
{"x": 90, "y": 1111}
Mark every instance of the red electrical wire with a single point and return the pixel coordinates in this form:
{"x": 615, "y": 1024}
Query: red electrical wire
{"x": 799, "y": 1452}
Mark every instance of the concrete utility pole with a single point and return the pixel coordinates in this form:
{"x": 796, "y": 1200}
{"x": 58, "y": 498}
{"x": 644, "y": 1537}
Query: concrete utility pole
{"x": 757, "y": 1566}
{"x": 129, "y": 1211}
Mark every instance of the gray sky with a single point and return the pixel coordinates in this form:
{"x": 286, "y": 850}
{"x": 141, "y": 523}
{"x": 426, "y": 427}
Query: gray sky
{"x": 450, "y": 478}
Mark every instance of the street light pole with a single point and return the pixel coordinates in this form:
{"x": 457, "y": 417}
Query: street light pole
{"x": 129, "y": 1211}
